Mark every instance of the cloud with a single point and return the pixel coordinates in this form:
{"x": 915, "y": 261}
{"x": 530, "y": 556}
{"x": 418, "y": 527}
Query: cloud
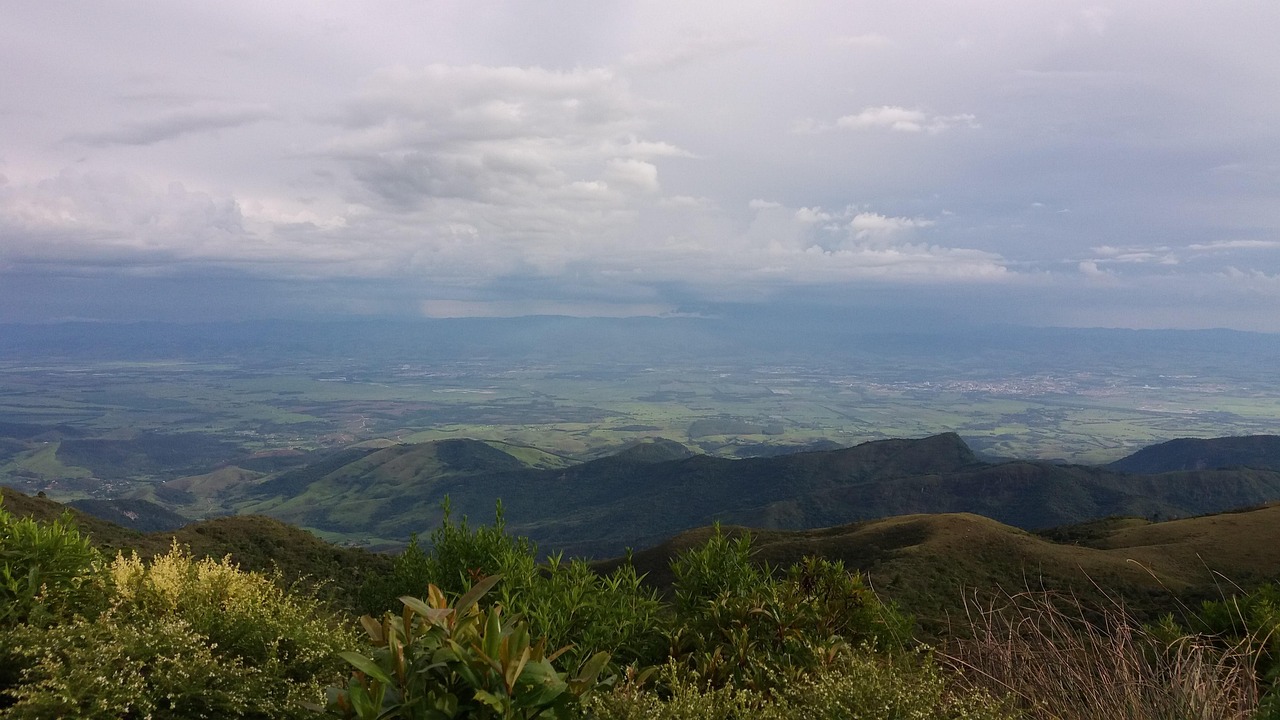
{"x": 1226, "y": 245}
{"x": 1090, "y": 269}
{"x": 633, "y": 173}
{"x": 173, "y": 124}
{"x": 812, "y": 215}
{"x": 497, "y": 138}
{"x": 867, "y": 225}
{"x": 900, "y": 119}
{"x": 1160, "y": 254}
{"x": 513, "y": 308}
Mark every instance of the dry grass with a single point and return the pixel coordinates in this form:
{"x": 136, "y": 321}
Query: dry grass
{"x": 1057, "y": 661}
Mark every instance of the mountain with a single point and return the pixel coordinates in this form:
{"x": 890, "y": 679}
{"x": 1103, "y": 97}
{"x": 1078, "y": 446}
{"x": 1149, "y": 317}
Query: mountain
{"x": 141, "y": 515}
{"x": 388, "y": 493}
{"x": 645, "y": 494}
{"x": 1254, "y": 451}
{"x": 928, "y": 563}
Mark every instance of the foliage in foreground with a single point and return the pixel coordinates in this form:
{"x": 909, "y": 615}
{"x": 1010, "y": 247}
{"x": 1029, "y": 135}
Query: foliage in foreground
{"x": 738, "y": 624}
{"x": 176, "y": 638}
{"x": 438, "y": 661}
{"x": 1054, "y": 660}
{"x": 565, "y": 602}
{"x": 863, "y": 686}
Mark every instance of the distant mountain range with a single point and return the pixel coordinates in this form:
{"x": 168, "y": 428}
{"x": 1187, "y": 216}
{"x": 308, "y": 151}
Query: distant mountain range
{"x": 379, "y": 494}
{"x": 649, "y": 492}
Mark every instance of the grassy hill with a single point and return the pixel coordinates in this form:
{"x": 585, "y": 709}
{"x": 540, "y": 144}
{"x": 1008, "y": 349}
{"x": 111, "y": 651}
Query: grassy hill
{"x": 928, "y": 563}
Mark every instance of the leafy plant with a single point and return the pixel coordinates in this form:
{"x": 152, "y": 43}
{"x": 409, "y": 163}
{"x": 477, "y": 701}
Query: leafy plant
{"x": 437, "y": 660}
{"x": 152, "y": 667}
{"x": 564, "y": 601}
{"x": 736, "y": 624}
{"x": 47, "y": 571}
{"x": 181, "y": 638}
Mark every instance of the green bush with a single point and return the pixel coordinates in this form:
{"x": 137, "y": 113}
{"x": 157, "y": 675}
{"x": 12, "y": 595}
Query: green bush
{"x": 721, "y": 566}
{"x": 48, "y": 571}
{"x": 566, "y": 602}
{"x": 437, "y": 661}
{"x": 154, "y": 667}
{"x": 182, "y": 638}
{"x": 737, "y": 625}
{"x": 571, "y": 605}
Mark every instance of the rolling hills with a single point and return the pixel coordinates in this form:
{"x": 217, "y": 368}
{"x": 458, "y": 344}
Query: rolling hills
{"x": 379, "y": 494}
{"x": 927, "y": 563}
{"x": 651, "y": 491}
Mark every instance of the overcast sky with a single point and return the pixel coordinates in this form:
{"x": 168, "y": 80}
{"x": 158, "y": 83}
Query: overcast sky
{"x": 1034, "y": 161}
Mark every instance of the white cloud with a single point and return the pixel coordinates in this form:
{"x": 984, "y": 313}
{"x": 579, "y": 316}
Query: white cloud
{"x": 633, "y": 173}
{"x": 869, "y": 225}
{"x": 812, "y": 215}
{"x": 1225, "y": 245}
{"x": 1160, "y": 254}
{"x": 437, "y": 145}
{"x": 900, "y": 119}
{"x": 1090, "y": 268}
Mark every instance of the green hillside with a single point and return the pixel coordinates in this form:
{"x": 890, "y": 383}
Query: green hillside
{"x": 928, "y": 563}
{"x": 388, "y": 493}
{"x": 641, "y": 496}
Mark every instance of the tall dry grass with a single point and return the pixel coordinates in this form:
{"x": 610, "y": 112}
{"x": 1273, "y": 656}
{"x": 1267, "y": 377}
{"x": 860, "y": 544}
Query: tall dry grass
{"x": 1055, "y": 660}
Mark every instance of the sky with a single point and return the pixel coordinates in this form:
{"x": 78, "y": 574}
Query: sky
{"x": 1044, "y": 162}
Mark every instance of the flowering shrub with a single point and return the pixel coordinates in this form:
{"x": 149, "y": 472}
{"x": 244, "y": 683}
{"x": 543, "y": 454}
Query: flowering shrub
{"x": 182, "y": 638}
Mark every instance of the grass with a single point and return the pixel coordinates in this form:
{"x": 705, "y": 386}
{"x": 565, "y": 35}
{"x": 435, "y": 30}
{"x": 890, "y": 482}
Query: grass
{"x": 1059, "y": 660}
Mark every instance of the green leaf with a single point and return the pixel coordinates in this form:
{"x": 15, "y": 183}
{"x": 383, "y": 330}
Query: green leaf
{"x": 477, "y": 591}
{"x": 366, "y": 666}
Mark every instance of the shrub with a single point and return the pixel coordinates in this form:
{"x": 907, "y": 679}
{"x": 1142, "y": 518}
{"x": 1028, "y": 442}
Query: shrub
{"x": 565, "y": 602}
{"x": 48, "y": 571}
{"x": 183, "y": 638}
{"x": 720, "y": 566}
{"x": 737, "y": 625}
{"x": 442, "y": 661}
{"x": 155, "y": 667}
{"x": 245, "y": 615}
{"x": 1248, "y": 625}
